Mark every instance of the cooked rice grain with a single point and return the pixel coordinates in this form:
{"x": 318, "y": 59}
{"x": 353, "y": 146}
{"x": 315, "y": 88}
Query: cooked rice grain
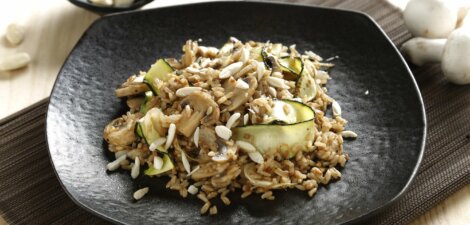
{"x": 140, "y": 193}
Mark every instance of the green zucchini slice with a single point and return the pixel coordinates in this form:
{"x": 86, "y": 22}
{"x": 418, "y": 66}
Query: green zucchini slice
{"x": 289, "y": 112}
{"x": 286, "y": 138}
{"x": 264, "y": 57}
{"x": 160, "y": 70}
{"x": 138, "y": 130}
{"x": 167, "y": 166}
{"x": 306, "y": 87}
{"x": 147, "y": 129}
{"x": 276, "y": 49}
{"x": 256, "y": 53}
{"x": 144, "y": 107}
{"x": 291, "y": 67}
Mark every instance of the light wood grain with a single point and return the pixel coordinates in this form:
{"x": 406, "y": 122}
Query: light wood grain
{"x": 2, "y": 221}
{"x": 455, "y": 210}
{"x": 53, "y": 28}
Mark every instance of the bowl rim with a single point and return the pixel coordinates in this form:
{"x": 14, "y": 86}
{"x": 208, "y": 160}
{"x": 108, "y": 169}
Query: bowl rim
{"x": 106, "y": 9}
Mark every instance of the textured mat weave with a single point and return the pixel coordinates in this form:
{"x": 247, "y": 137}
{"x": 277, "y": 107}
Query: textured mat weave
{"x": 31, "y": 194}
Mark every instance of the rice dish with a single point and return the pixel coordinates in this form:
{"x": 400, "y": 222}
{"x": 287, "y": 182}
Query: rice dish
{"x": 249, "y": 116}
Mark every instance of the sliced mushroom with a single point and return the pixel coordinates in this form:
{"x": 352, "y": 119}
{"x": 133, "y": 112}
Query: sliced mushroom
{"x": 226, "y": 53}
{"x": 222, "y": 152}
{"x": 160, "y": 121}
{"x": 131, "y": 89}
{"x": 212, "y": 117}
{"x": 120, "y": 132}
{"x": 240, "y": 95}
{"x": 209, "y": 170}
{"x": 190, "y": 49}
{"x": 199, "y": 102}
{"x": 225, "y": 178}
{"x": 174, "y": 63}
{"x": 134, "y": 103}
{"x": 207, "y": 138}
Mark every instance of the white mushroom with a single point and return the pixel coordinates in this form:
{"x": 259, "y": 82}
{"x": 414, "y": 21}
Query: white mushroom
{"x": 432, "y": 18}
{"x": 453, "y": 53}
{"x": 455, "y": 59}
{"x": 134, "y": 85}
{"x": 424, "y": 50}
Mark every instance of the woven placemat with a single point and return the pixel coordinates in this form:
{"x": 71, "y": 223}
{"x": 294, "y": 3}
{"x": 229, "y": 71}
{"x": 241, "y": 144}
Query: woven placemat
{"x": 31, "y": 194}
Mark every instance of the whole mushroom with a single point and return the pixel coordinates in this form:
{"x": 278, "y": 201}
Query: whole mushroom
{"x": 453, "y": 53}
{"x": 434, "y": 18}
{"x": 424, "y": 50}
{"x": 456, "y": 57}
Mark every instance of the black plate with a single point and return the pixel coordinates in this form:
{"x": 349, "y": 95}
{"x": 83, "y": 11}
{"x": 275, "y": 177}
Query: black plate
{"x": 103, "y": 9}
{"x": 390, "y": 120}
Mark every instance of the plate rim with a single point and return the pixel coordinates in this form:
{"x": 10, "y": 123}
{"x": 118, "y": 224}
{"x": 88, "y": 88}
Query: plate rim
{"x": 363, "y": 216}
{"x": 107, "y": 9}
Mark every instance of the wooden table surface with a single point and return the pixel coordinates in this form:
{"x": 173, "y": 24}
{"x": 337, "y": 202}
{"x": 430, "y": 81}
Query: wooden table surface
{"x": 52, "y": 29}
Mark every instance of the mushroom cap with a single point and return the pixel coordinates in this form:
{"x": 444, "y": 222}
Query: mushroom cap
{"x": 131, "y": 89}
{"x": 208, "y": 138}
{"x": 120, "y": 131}
{"x": 241, "y": 96}
{"x": 200, "y": 102}
{"x": 431, "y": 18}
{"x": 456, "y": 56}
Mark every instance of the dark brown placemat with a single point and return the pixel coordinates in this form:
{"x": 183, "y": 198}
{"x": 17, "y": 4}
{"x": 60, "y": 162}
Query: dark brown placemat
{"x": 31, "y": 194}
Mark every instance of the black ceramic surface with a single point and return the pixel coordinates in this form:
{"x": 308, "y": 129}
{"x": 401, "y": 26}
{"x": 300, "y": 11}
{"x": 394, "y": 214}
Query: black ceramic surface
{"x": 104, "y": 9}
{"x": 390, "y": 120}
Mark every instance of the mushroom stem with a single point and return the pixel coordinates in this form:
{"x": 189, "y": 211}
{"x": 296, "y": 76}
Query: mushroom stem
{"x": 189, "y": 126}
{"x": 452, "y": 53}
{"x": 200, "y": 102}
{"x": 424, "y": 50}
